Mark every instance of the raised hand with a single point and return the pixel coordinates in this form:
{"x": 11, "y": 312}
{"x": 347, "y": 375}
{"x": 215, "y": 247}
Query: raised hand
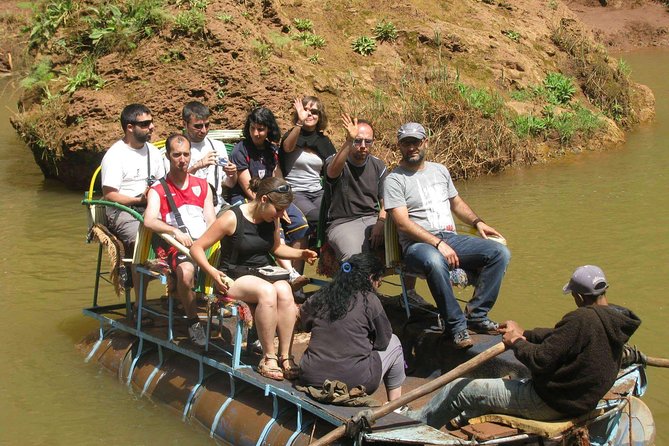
{"x": 302, "y": 114}
{"x": 350, "y": 125}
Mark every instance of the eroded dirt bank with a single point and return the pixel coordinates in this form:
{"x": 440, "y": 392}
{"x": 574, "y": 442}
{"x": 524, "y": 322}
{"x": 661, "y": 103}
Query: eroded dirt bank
{"x": 461, "y": 68}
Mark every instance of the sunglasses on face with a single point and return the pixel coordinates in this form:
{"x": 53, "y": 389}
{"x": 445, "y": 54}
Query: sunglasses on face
{"x": 143, "y": 124}
{"x": 359, "y": 141}
{"x": 314, "y": 111}
{"x": 283, "y": 189}
{"x": 201, "y": 125}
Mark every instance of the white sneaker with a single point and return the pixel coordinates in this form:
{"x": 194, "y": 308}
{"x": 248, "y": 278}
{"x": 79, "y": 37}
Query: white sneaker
{"x": 197, "y": 334}
{"x": 416, "y": 300}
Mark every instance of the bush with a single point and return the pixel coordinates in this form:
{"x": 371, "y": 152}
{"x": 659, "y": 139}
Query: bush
{"x": 47, "y": 18}
{"x": 40, "y": 75}
{"x": 364, "y": 45}
{"x": 559, "y": 88}
{"x": 385, "y": 31}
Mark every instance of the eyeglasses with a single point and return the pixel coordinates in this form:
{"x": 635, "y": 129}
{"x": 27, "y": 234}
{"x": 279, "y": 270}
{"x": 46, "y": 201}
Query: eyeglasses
{"x": 314, "y": 111}
{"x": 283, "y": 189}
{"x": 359, "y": 141}
{"x": 202, "y": 125}
{"x": 143, "y": 124}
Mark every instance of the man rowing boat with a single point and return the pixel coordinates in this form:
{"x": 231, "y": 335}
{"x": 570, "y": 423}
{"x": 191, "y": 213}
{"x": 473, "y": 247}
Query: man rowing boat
{"x": 573, "y": 365}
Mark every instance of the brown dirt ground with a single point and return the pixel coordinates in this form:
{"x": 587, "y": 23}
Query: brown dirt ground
{"x": 223, "y": 70}
{"x": 625, "y": 25}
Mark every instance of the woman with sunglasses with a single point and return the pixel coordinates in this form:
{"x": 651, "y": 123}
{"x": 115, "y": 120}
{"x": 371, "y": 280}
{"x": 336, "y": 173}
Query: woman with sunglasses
{"x": 256, "y": 156}
{"x": 348, "y": 310}
{"x": 304, "y": 149}
{"x": 248, "y": 234}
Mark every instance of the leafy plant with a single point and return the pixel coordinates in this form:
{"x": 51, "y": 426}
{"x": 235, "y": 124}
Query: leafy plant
{"x": 559, "y": 88}
{"x": 112, "y": 28}
{"x": 303, "y": 24}
{"x": 47, "y": 18}
{"x": 225, "y": 18}
{"x": 220, "y": 93}
{"x": 314, "y": 59}
{"x": 385, "y": 31}
{"x": 624, "y": 68}
{"x": 190, "y": 23}
{"x": 364, "y": 45}
{"x": 315, "y": 41}
{"x": 83, "y": 76}
{"x": 511, "y": 34}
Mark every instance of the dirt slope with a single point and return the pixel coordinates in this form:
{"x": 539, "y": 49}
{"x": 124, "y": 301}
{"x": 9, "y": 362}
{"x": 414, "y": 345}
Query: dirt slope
{"x": 247, "y": 57}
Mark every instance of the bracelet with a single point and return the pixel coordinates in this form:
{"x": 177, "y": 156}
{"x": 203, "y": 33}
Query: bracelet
{"x": 298, "y": 125}
{"x": 477, "y": 221}
{"x": 438, "y": 243}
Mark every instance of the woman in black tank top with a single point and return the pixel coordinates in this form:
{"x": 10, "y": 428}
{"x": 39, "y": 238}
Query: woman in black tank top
{"x": 248, "y": 234}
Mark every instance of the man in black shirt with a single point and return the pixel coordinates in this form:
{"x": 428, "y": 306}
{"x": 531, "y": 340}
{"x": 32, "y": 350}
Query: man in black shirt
{"x": 354, "y": 178}
{"x": 573, "y": 365}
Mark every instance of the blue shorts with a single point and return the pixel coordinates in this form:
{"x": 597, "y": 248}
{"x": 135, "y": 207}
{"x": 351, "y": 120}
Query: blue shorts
{"x": 298, "y": 228}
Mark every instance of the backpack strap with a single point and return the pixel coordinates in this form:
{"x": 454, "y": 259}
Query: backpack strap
{"x": 173, "y": 207}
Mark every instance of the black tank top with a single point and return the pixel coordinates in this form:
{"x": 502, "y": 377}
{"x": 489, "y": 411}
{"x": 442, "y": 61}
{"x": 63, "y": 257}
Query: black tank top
{"x": 250, "y": 245}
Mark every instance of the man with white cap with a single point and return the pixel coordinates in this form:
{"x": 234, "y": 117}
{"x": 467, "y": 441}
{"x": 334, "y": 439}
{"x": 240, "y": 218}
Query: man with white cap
{"x": 572, "y": 365}
{"x": 421, "y": 198}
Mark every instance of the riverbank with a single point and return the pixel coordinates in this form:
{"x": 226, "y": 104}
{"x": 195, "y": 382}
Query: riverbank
{"x": 478, "y": 75}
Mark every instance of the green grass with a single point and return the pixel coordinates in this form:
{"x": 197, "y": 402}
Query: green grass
{"x": 487, "y": 102}
{"x": 511, "y": 34}
{"x": 559, "y": 88}
{"x": 190, "y": 23}
{"x": 262, "y": 49}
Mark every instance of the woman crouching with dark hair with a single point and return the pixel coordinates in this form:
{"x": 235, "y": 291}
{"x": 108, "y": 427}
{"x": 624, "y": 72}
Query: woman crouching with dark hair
{"x": 351, "y": 337}
{"x": 248, "y": 234}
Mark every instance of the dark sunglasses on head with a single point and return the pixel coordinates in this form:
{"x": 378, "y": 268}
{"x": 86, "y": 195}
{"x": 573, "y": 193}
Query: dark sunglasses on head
{"x": 143, "y": 124}
{"x": 359, "y": 141}
{"x": 201, "y": 125}
{"x": 283, "y": 189}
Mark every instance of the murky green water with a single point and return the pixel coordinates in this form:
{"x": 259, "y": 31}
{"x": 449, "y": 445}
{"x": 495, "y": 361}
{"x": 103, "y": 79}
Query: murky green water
{"x": 608, "y": 208}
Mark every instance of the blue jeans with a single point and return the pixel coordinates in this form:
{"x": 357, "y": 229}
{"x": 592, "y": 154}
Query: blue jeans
{"x": 485, "y": 259}
{"x": 467, "y": 398}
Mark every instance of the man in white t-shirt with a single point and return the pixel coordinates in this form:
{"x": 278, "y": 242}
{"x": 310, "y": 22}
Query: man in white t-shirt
{"x": 129, "y": 168}
{"x": 422, "y": 200}
{"x": 209, "y": 158}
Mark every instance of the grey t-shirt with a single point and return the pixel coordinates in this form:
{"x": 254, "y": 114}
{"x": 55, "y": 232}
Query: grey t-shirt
{"x": 426, "y": 194}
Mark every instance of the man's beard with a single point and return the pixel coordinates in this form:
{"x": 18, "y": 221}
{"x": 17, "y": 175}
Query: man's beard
{"x": 143, "y": 138}
{"x": 414, "y": 161}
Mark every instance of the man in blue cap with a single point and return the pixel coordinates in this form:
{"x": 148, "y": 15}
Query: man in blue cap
{"x": 572, "y": 365}
{"x": 422, "y": 200}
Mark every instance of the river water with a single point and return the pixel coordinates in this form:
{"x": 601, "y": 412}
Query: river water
{"x": 608, "y": 208}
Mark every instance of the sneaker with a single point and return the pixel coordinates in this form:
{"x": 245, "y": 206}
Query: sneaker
{"x": 197, "y": 334}
{"x": 297, "y": 281}
{"x": 403, "y": 410}
{"x": 461, "y": 340}
{"x": 416, "y": 300}
{"x": 485, "y": 326}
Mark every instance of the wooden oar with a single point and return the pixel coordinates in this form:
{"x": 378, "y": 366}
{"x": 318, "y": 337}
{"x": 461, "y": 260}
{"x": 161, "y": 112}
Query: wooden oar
{"x": 426, "y": 388}
{"x": 657, "y": 362}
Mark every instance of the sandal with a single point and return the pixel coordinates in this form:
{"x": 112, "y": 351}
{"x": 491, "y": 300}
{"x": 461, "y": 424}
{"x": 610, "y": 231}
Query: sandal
{"x": 292, "y": 371}
{"x": 270, "y": 371}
